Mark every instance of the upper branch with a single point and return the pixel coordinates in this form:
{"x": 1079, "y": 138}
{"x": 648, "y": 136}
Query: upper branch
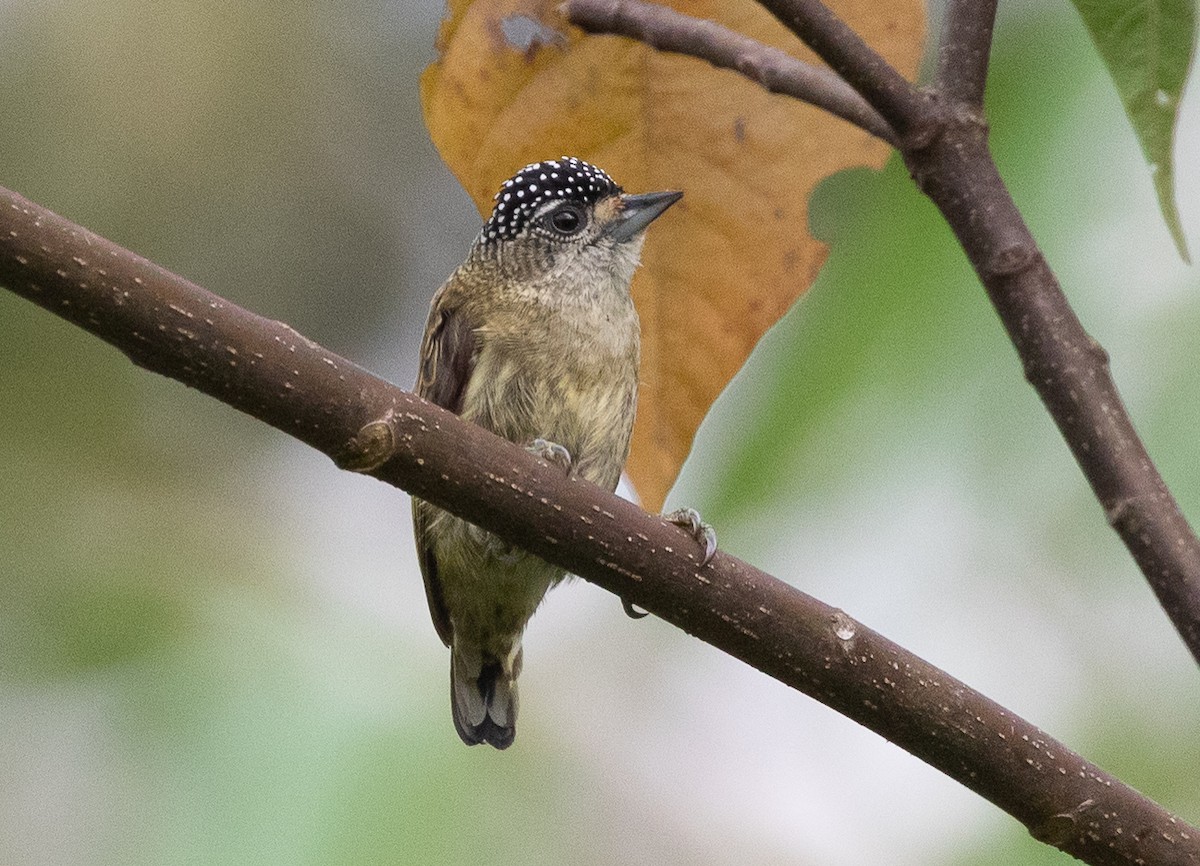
{"x": 777, "y": 71}
{"x": 964, "y": 50}
{"x": 266, "y": 369}
{"x": 853, "y": 59}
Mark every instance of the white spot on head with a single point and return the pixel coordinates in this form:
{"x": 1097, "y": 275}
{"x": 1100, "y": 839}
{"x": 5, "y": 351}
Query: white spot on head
{"x": 579, "y": 181}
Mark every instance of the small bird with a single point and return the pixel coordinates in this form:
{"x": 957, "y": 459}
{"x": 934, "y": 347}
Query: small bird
{"x": 535, "y": 338}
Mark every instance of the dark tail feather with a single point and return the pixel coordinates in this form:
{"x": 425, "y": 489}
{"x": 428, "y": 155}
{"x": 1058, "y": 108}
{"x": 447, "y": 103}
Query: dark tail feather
{"x": 483, "y": 697}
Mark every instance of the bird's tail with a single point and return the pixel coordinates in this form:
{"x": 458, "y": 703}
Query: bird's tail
{"x": 483, "y": 695}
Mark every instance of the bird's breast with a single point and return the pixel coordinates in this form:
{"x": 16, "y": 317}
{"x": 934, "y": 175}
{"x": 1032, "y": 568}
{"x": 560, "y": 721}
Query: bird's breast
{"x": 555, "y": 380}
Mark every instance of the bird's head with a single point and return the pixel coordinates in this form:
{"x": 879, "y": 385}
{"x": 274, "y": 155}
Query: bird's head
{"x": 566, "y": 218}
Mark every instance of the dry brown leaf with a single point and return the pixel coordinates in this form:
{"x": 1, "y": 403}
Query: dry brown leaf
{"x": 726, "y": 262}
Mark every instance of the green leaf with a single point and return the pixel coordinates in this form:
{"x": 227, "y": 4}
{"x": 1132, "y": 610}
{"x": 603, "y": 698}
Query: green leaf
{"x": 1147, "y": 47}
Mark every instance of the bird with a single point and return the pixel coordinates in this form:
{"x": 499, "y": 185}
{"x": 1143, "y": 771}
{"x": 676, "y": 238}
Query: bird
{"x": 535, "y": 338}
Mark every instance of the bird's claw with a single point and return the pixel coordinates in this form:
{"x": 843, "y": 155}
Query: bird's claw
{"x": 689, "y": 519}
{"x": 551, "y": 452}
{"x": 632, "y": 612}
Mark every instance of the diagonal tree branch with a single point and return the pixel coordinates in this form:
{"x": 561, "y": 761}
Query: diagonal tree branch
{"x": 852, "y": 59}
{"x": 1067, "y": 367}
{"x": 964, "y": 50}
{"x": 944, "y": 144}
{"x": 777, "y": 71}
{"x": 264, "y": 368}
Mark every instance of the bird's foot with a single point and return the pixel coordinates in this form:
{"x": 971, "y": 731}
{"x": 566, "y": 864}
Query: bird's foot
{"x": 551, "y": 452}
{"x": 689, "y": 519}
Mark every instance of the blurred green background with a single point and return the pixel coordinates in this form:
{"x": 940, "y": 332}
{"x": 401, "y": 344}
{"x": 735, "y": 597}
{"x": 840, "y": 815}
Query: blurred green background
{"x": 214, "y": 646}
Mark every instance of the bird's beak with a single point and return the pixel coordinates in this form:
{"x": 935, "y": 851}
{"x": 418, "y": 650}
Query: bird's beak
{"x": 638, "y": 211}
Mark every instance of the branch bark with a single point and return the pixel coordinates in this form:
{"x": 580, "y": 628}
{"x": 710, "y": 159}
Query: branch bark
{"x": 264, "y": 368}
{"x": 944, "y": 143}
{"x": 1067, "y": 367}
{"x": 964, "y": 50}
{"x": 851, "y": 58}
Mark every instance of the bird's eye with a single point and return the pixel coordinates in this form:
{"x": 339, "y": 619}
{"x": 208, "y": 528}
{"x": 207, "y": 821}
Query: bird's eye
{"x": 568, "y": 220}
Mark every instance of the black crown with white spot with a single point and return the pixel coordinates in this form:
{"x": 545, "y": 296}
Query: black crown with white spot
{"x": 540, "y": 182}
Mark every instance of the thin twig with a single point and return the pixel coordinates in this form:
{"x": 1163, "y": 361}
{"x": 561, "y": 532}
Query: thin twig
{"x": 266, "y": 369}
{"x": 964, "y": 50}
{"x": 849, "y": 56}
{"x": 777, "y": 71}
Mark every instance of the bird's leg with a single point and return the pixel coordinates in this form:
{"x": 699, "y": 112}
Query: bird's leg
{"x": 551, "y": 452}
{"x": 689, "y": 519}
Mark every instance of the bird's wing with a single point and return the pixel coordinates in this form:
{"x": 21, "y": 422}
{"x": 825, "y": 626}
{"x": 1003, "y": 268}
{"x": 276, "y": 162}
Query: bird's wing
{"x": 448, "y": 355}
